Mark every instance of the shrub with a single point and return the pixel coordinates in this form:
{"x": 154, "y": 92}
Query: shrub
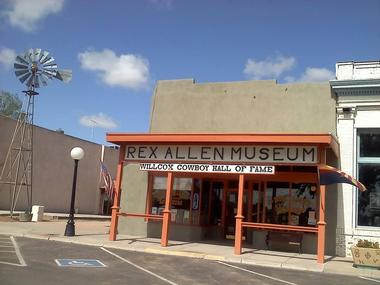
{"x": 367, "y": 244}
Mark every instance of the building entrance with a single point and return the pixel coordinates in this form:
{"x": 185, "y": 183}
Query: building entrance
{"x": 231, "y": 201}
{"x": 220, "y": 202}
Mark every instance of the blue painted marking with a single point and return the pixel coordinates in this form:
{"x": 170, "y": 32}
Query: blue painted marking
{"x": 79, "y": 263}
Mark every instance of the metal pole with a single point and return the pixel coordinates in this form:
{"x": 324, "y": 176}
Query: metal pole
{"x": 70, "y": 226}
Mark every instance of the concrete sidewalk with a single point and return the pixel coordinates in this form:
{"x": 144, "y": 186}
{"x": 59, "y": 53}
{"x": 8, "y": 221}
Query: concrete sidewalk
{"x": 95, "y": 233}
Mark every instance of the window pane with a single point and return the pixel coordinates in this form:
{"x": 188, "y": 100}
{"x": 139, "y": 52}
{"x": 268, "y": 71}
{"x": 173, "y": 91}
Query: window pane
{"x": 216, "y": 203}
{"x": 369, "y": 143}
{"x": 281, "y": 208}
{"x": 369, "y": 201}
{"x": 205, "y": 202}
{"x": 274, "y": 202}
{"x": 303, "y": 205}
{"x": 296, "y": 207}
{"x": 180, "y": 212}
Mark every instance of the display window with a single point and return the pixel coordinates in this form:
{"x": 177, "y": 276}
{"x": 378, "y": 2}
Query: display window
{"x": 205, "y": 202}
{"x": 181, "y": 198}
{"x": 289, "y": 204}
{"x": 368, "y": 159}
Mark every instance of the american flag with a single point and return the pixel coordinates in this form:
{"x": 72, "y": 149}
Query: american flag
{"x": 108, "y": 181}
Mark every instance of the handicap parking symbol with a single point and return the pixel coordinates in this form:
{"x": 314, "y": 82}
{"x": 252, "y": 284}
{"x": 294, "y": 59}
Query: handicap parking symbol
{"x": 79, "y": 263}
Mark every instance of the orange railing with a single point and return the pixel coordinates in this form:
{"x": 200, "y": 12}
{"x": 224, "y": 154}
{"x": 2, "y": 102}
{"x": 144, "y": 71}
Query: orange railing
{"x": 146, "y": 216}
{"x": 264, "y": 226}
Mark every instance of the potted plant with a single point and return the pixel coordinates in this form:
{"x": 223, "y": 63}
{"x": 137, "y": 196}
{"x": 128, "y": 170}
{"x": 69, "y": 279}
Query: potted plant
{"x": 366, "y": 253}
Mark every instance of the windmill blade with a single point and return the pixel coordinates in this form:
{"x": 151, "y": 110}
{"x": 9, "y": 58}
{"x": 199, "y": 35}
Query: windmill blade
{"x": 30, "y": 81}
{"x": 36, "y": 81}
{"x": 29, "y": 55}
{"x": 19, "y": 59}
{"x": 20, "y": 66}
{"x": 21, "y": 72}
{"x": 50, "y": 73}
{"x": 25, "y": 77}
{"x": 47, "y": 75}
{"x": 47, "y": 60}
{"x": 44, "y": 55}
{"x": 65, "y": 75}
{"x": 43, "y": 78}
{"x": 36, "y": 54}
{"x": 50, "y": 66}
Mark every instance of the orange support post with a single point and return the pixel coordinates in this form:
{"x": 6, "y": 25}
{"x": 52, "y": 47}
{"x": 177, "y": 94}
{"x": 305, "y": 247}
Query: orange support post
{"x": 116, "y": 198}
{"x": 166, "y": 214}
{"x": 239, "y": 217}
{"x": 321, "y": 220}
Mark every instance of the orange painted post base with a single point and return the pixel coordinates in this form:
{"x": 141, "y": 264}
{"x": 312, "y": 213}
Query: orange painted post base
{"x": 165, "y": 228}
{"x": 238, "y": 235}
{"x": 239, "y": 217}
{"x": 114, "y": 223}
{"x": 321, "y": 242}
{"x": 166, "y": 212}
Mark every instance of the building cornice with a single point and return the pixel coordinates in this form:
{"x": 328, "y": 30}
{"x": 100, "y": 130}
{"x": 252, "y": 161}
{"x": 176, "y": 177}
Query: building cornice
{"x": 367, "y": 87}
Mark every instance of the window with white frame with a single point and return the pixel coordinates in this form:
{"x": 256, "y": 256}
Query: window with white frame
{"x": 368, "y": 163}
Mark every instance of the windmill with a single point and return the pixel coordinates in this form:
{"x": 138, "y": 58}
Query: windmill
{"x": 33, "y": 68}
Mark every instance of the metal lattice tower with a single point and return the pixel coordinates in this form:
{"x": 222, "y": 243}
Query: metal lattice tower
{"x": 32, "y": 68}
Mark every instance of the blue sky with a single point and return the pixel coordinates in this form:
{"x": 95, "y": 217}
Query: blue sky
{"x": 119, "y": 49}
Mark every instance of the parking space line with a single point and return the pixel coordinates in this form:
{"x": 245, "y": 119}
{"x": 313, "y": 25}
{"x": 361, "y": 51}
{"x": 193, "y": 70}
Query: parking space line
{"x": 17, "y": 251}
{"x": 139, "y": 267}
{"x": 256, "y": 273}
{"x": 369, "y": 279}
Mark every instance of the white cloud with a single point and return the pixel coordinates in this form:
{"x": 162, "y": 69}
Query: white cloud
{"x": 7, "y": 57}
{"x": 313, "y": 74}
{"x": 126, "y": 70}
{"x": 25, "y": 14}
{"x": 98, "y": 121}
{"x": 268, "y": 68}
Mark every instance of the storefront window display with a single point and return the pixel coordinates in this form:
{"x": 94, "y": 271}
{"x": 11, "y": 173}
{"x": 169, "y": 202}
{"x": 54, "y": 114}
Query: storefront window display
{"x": 291, "y": 204}
{"x": 180, "y": 210}
{"x": 369, "y": 175}
{"x": 204, "y": 202}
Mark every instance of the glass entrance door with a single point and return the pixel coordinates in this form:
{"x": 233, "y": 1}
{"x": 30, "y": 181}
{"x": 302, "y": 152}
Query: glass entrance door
{"x": 231, "y": 204}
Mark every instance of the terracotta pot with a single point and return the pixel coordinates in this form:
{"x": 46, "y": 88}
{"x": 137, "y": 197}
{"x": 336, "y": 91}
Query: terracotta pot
{"x": 366, "y": 256}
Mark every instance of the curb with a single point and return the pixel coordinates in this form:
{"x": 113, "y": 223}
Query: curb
{"x": 185, "y": 254}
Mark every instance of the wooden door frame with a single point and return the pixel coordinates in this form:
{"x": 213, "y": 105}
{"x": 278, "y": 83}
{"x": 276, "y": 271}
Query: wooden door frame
{"x": 248, "y": 191}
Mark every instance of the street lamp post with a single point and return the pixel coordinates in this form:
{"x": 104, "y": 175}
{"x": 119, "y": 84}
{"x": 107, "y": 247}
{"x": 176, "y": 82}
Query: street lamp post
{"x": 77, "y": 154}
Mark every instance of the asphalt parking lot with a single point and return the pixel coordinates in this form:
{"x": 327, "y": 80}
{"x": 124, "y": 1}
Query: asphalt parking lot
{"x": 34, "y": 261}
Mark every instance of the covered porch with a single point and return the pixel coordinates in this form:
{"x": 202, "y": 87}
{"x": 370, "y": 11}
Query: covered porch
{"x": 281, "y": 158}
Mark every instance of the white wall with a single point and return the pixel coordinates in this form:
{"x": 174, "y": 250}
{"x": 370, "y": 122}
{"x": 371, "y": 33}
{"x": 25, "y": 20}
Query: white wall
{"x": 363, "y": 115}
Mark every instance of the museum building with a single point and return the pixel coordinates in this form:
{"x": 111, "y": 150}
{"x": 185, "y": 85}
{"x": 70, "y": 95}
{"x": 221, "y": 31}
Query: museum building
{"x": 253, "y": 163}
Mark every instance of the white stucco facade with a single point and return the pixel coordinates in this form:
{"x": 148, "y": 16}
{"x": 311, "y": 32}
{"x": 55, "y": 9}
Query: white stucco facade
{"x": 357, "y": 88}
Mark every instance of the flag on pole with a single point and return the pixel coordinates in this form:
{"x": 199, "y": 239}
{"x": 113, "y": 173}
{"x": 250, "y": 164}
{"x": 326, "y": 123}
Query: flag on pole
{"x": 108, "y": 181}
